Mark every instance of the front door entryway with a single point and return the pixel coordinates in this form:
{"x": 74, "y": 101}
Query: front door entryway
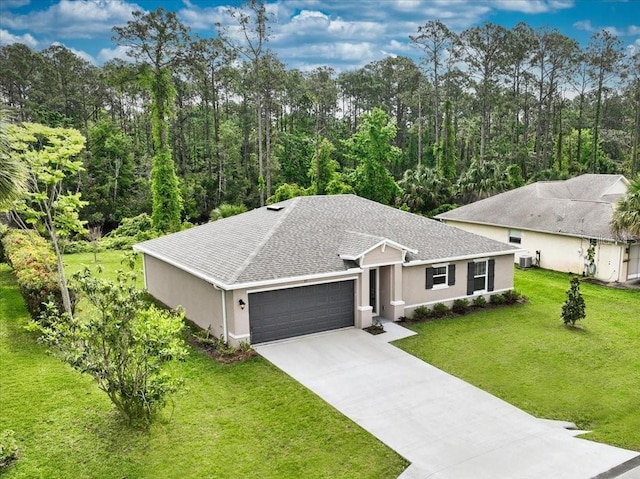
{"x": 373, "y": 290}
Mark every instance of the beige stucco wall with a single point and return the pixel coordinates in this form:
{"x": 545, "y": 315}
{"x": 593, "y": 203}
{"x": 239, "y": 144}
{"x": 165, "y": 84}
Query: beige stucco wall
{"x": 415, "y": 293}
{"x": 381, "y": 255}
{"x": 174, "y": 287}
{"x": 558, "y": 252}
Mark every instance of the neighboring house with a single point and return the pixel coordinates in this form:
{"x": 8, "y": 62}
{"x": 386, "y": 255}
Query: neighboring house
{"x": 317, "y": 263}
{"x": 562, "y": 225}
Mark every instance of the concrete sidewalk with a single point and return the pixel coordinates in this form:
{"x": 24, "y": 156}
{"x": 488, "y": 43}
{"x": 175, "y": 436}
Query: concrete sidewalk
{"x": 447, "y": 428}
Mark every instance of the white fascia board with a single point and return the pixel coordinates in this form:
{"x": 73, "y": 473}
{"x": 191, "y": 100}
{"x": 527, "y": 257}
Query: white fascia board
{"x": 463, "y": 257}
{"x": 187, "y": 269}
{"x": 522, "y": 228}
{"x": 253, "y": 284}
{"x": 296, "y": 279}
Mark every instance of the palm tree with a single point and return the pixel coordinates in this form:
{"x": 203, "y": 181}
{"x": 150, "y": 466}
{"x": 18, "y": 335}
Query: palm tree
{"x": 13, "y": 172}
{"x": 626, "y": 217}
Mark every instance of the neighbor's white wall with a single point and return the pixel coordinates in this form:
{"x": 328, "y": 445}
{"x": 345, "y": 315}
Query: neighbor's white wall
{"x": 557, "y": 252}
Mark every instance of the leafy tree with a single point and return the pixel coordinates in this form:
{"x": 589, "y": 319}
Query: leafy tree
{"x": 51, "y": 156}
{"x": 574, "y": 306}
{"x": 123, "y": 343}
{"x": 482, "y": 180}
{"x": 13, "y": 171}
{"x": 626, "y": 217}
{"x": 424, "y": 189}
{"x": 109, "y": 174}
{"x": 372, "y": 148}
{"x": 604, "y": 54}
{"x": 158, "y": 40}
{"x": 446, "y": 148}
{"x": 324, "y": 168}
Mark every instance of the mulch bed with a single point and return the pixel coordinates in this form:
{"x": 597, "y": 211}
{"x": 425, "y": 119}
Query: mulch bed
{"x": 226, "y": 358}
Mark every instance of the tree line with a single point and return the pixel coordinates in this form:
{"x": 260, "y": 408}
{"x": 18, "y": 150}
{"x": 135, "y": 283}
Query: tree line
{"x": 191, "y": 123}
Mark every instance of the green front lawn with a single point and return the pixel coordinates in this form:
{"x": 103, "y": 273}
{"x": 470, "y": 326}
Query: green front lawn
{"x": 240, "y": 420}
{"x": 524, "y": 355}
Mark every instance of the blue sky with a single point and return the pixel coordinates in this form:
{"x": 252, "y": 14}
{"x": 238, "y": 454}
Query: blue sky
{"x": 344, "y": 34}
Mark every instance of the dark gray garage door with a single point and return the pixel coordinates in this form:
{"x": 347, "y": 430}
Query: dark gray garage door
{"x": 285, "y": 313}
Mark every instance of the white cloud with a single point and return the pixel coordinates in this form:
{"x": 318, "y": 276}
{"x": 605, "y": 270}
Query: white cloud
{"x": 532, "y": 6}
{"x": 119, "y": 52}
{"x": 15, "y": 3}
{"x": 73, "y": 19}
{"x": 79, "y": 53}
{"x": 586, "y": 25}
{"x": 7, "y": 38}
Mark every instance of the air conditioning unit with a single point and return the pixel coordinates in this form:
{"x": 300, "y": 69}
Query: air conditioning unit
{"x": 525, "y": 262}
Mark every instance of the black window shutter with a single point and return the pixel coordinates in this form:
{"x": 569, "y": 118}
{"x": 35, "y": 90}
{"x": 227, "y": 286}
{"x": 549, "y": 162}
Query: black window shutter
{"x": 452, "y": 275}
{"x": 429, "y": 278}
{"x": 492, "y": 274}
{"x": 471, "y": 269}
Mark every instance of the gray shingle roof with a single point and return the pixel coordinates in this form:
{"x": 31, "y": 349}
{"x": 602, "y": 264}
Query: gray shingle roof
{"x": 582, "y": 206}
{"x": 306, "y": 237}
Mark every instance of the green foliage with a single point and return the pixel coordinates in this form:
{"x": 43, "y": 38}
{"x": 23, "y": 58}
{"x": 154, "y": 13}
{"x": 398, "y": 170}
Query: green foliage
{"x": 479, "y": 302}
{"x": 34, "y": 266}
{"x": 372, "y": 150}
{"x": 497, "y": 299}
{"x": 425, "y": 190}
{"x": 122, "y": 342}
{"x": 482, "y": 180}
{"x": 512, "y": 296}
{"x": 167, "y": 202}
{"x": 460, "y": 306}
{"x": 626, "y": 217}
{"x": 323, "y": 169}
{"x": 8, "y": 449}
{"x": 109, "y": 183}
{"x": 13, "y": 170}
{"x": 440, "y": 310}
{"x": 139, "y": 227}
{"x": 225, "y": 210}
{"x": 287, "y": 191}
{"x": 421, "y": 313}
{"x": 574, "y": 307}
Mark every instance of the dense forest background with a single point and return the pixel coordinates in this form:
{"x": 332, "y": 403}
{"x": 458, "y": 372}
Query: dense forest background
{"x": 484, "y": 111}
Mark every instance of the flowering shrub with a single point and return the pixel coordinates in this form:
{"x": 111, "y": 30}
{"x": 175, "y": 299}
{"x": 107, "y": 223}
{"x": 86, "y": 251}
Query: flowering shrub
{"x": 34, "y": 266}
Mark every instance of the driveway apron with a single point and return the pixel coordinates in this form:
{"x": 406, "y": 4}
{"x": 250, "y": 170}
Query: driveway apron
{"x": 446, "y": 428}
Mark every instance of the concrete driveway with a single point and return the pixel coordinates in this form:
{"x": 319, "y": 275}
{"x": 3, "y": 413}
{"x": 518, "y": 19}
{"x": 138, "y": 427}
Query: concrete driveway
{"x": 445, "y": 427}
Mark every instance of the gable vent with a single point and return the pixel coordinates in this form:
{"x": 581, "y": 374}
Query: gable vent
{"x": 275, "y": 207}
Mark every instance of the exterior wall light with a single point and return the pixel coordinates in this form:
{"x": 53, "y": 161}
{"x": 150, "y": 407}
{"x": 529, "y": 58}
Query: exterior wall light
{"x": 242, "y": 303}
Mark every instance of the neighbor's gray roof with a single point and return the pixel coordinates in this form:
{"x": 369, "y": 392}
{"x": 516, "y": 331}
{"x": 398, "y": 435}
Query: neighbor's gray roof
{"x": 582, "y": 206}
{"x": 306, "y": 237}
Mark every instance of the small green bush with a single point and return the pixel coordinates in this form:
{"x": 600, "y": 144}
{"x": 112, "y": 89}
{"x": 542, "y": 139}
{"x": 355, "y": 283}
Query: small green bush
{"x": 35, "y": 269}
{"x": 133, "y": 227}
{"x": 4, "y": 229}
{"x": 421, "y": 313}
{"x": 460, "y": 306}
{"x": 497, "y": 299}
{"x": 511, "y": 296}
{"x": 225, "y": 210}
{"x": 440, "y": 310}
{"x": 8, "y": 449}
{"x": 479, "y": 302}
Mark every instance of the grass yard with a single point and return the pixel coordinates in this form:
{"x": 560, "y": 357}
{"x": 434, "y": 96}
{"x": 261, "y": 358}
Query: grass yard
{"x": 107, "y": 266}
{"x": 238, "y": 420}
{"x": 524, "y": 355}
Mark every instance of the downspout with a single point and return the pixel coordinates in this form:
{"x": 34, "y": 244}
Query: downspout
{"x": 224, "y": 313}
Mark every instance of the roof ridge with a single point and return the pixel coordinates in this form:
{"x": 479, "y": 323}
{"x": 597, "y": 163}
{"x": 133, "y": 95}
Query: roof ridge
{"x": 264, "y": 241}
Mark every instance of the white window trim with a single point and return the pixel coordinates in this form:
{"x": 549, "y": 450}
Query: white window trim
{"x": 485, "y": 290}
{"x": 518, "y": 235}
{"x": 445, "y": 285}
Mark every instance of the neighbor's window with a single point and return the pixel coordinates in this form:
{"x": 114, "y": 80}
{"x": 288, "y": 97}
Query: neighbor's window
{"x": 440, "y": 275}
{"x": 515, "y": 236}
{"x": 480, "y": 276}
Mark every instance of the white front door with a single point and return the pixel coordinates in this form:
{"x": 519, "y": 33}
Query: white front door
{"x": 633, "y": 270}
